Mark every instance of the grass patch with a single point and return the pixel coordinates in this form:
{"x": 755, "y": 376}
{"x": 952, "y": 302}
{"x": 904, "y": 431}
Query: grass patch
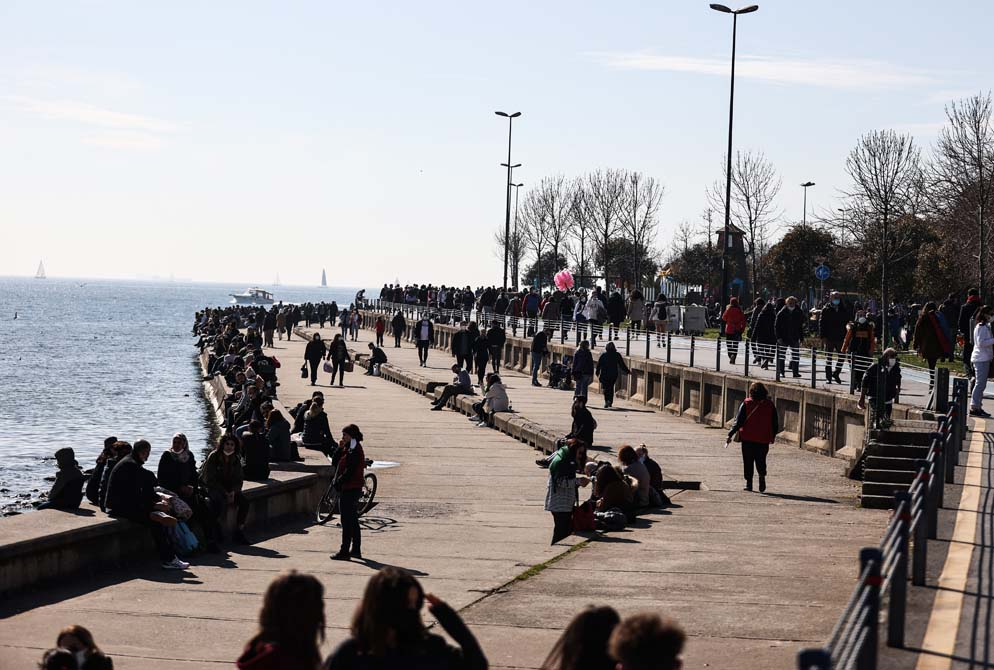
{"x": 537, "y": 569}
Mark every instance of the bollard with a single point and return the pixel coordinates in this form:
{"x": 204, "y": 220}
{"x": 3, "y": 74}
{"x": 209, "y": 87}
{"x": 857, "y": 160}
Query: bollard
{"x": 692, "y": 350}
{"x": 747, "y": 357}
{"x": 717, "y": 354}
{"x": 941, "y": 391}
{"x": 948, "y": 460}
{"x": 871, "y": 556}
{"x": 919, "y": 560}
{"x": 932, "y": 497}
{"x": 669, "y": 346}
{"x": 814, "y": 368}
{"x": 898, "y": 601}
{"x": 960, "y": 387}
{"x": 628, "y": 340}
{"x": 814, "y": 659}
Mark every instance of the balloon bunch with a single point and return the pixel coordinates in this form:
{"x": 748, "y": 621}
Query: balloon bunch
{"x": 563, "y": 280}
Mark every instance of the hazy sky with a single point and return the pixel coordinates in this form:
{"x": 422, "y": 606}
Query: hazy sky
{"x": 232, "y": 141}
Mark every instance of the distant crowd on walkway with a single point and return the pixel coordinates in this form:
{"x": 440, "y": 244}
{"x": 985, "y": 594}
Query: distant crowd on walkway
{"x": 387, "y": 632}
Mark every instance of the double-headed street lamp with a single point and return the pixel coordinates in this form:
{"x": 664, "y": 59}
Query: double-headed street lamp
{"x": 507, "y": 213}
{"x": 804, "y": 218}
{"x": 517, "y": 187}
{"x": 728, "y": 169}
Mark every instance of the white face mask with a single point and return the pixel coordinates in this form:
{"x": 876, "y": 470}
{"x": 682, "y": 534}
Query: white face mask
{"x": 790, "y": 307}
{"x": 891, "y": 362}
{"x": 80, "y": 657}
{"x": 862, "y": 319}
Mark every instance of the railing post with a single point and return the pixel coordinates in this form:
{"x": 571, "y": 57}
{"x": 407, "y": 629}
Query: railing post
{"x": 932, "y": 498}
{"x": 814, "y": 368}
{"x": 814, "y": 659}
{"x": 748, "y": 356}
{"x": 779, "y": 361}
{"x": 920, "y": 557}
{"x": 940, "y": 391}
{"x": 947, "y": 456}
{"x": 692, "y": 338}
{"x": 562, "y": 332}
{"x": 852, "y": 372}
{"x": 898, "y": 601}
{"x": 669, "y": 346}
{"x": 868, "y": 655}
{"x": 648, "y": 341}
{"x": 628, "y": 340}
{"x": 717, "y": 354}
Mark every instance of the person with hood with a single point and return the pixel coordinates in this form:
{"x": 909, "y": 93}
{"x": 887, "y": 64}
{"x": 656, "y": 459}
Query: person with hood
{"x": 314, "y": 352}
{"x": 615, "y": 313}
{"x": 636, "y": 309}
{"x": 349, "y": 480}
{"x": 291, "y": 626}
{"x": 965, "y": 327}
{"x": 735, "y": 325}
{"x": 80, "y": 642}
{"x": 886, "y": 370}
{"x": 67, "y": 491}
{"x": 223, "y": 476}
{"x": 561, "y": 490}
{"x": 424, "y": 338}
{"x": 96, "y": 476}
{"x": 177, "y": 471}
{"x": 583, "y": 422}
{"x": 399, "y": 326}
{"x": 338, "y": 354}
{"x": 131, "y": 495}
{"x": 931, "y": 338}
{"x": 496, "y": 338}
{"x": 789, "y": 327}
{"x": 387, "y": 632}
{"x": 609, "y": 366}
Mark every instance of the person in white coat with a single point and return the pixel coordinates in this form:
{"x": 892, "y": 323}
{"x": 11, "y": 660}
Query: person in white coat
{"x": 983, "y": 353}
{"x": 595, "y": 312}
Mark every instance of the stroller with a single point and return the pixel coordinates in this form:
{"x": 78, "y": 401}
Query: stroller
{"x": 561, "y": 374}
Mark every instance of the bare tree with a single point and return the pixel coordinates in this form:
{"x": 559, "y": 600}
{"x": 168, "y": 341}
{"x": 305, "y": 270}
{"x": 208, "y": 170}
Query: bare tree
{"x": 755, "y": 185}
{"x": 554, "y": 202}
{"x": 533, "y": 226}
{"x": 602, "y": 201}
{"x": 963, "y": 168}
{"x": 515, "y": 253}
{"x": 886, "y": 192}
{"x": 642, "y": 197}
{"x": 580, "y": 249}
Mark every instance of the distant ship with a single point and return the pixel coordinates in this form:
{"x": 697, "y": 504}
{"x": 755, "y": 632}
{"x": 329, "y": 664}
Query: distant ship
{"x": 253, "y": 296}
{"x": 324, "y": 279}
{"x": 41, "y": 271}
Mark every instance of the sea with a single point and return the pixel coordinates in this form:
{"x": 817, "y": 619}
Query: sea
{"x": 84, "y": 359}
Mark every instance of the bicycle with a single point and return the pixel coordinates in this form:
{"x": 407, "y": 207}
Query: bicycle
{"x": 329, "y": 501}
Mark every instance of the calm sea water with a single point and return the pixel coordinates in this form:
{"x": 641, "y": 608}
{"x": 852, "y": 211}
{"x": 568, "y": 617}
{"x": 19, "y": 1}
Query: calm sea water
{"x": 85, "y": 359}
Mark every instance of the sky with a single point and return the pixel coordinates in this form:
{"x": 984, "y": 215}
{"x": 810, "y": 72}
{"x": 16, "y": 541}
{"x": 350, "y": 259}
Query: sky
{"x": 234, "y": 141}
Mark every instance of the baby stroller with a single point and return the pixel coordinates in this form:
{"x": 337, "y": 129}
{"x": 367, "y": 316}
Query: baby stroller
{"x": 561, "y": 374}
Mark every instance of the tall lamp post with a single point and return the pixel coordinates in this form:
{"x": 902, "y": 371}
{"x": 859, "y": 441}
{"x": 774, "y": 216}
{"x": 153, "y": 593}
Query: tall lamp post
{"x": 804, "y": 216}
{"x": 514, "y": 272}
{"x": 728, "y": 169}
{"x": 507, "y": 212}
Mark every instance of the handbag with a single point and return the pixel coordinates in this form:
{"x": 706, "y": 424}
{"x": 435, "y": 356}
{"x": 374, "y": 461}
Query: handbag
{"x": 327, "y": 367}
{"x": 348, "y": 365}
{"x": 737, "y": 437}
{"x": 303, "y": 371}
{"x": 583, "y": 517}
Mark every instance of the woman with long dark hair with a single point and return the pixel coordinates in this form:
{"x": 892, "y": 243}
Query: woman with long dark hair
{"x": 560, "y": 496}
{"x": 79, "y": 641}
{"x": 388, "y": 633}
{"x": 757, "y": 425}
{"x": 349, "y": 481}
{"x": 583, "y": 645}
{"x": 291, "y": 626}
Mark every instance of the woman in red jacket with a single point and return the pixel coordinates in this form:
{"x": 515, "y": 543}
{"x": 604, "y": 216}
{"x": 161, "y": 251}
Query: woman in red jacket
{"x": 757, "y": 425}
{"x": 349, "y": 480}
{"x": 735, "y": 325}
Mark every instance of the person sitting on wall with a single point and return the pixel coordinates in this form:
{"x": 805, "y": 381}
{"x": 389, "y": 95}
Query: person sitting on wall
{"x": 461, "y": 385}
{"x": 494, "y": 400}
{"x": 67, "y": 491}
{"x": 376, "y": 358}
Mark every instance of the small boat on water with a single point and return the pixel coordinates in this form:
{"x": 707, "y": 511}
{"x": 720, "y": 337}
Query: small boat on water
{"x": 41, "y": 271}
{"x": 252, "y": 296}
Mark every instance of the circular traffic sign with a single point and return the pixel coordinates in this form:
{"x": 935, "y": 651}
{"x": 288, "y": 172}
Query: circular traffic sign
{"x": 822, "y": 272}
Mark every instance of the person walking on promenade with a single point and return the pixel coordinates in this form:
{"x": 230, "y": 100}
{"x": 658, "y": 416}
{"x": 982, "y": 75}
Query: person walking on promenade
{"x": 314, "y": 352}
{"x": 399, "y": 326}
{"x": 931, "y": 338}
{"x": 424, "y": 337}
{"x": 380, "y": 327}
{"x": 292, "y": 317}
{"x": 222, "y": 474}
{"x": 481, "y": 352}
{"x": 889, "y": 368}
{"x": 583, "y": 644}
{"x": 615, "y": 313}
{"x": 349, "y": 479}
{"x": 609, "y": 365}
{"x": 636, "y": 310}
{"x": 462, "y": 347}
{"x": 735, "y": 324}
{"x": 291, "y": 626}
{"x": 355, "y": 322}
{"x": 338, "y": 354}
{"x": 980, "y": 358}
{"x": 496, "y": 337}
{"x": 561, "y": 490}
{"x": 539, "y": 350}
{"x": 514, "y": 309}
{"x": 387, "y": 632}
{"x": 659, "y": 318}
{"x": 595, "y": 312}
{"x": 860, "y": 343}
{"x": 344, "y": 319}
{"x": 280, "y": 323}
{"x": 268, "y": 326}
{"x": 583, "y": 369}
{"x": 762, "y": 332}
{"x": 789, "y": 326}
{"x": 756, "y": 425}
{"x": 966, "y": 324}
{"x": 832, "y": 331}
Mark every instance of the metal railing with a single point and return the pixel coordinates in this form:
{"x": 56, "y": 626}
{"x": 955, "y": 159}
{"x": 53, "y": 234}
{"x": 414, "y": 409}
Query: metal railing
{"x": 854, "y": 641}
{"x": 779, "y": 362}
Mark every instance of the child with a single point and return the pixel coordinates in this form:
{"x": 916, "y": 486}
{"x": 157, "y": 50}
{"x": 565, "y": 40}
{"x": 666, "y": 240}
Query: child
{"x": 67, "y": 491}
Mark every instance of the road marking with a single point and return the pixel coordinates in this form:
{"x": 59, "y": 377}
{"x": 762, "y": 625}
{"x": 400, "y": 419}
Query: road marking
{"x": 939, "y": 643}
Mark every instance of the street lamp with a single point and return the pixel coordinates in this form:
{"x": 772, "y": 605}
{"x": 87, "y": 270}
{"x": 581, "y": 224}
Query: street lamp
{"x": 804, "y": 217}
{"x": 517, "y": 187}
{"x": 728, "y": 169}
{"x": 507, "y": 212}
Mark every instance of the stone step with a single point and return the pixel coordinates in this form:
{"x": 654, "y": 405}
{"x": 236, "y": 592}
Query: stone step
{"x": 889, "y": 476}
{"x": 884, "y": 488}
{"x": 898, "y": 450}
{"x": 876, "y": 502}
{"x": 874, "y": 462}
{"x": 916, "y": 437}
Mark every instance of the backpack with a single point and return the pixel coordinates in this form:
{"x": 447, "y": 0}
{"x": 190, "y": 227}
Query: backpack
{"x": 612, "y": 520}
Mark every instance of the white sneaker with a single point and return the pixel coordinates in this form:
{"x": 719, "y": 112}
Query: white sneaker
{"x": 175, "y": 564}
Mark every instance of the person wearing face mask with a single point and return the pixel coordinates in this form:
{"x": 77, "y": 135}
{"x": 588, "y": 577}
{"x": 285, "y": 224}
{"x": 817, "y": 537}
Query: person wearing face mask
{"x": 980, "y": 358}
{"x": 832, "y": 331}
{"x": 966, "y": 324}
{"x": 887, "y": 370}
{"x": 424, "y": 337}
{"x": 223, "y": 476}
{"x": 79, "y": 641}
{"x": 859, "y": 345}
{"x": 349, "y": 479}
{"x": 789, "y": 326}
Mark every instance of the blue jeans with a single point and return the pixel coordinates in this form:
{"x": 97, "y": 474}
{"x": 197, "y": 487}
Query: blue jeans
{"x": 582, "y": 382}
{"x": 536, "y": 366}
{"x": 982, "y": 368}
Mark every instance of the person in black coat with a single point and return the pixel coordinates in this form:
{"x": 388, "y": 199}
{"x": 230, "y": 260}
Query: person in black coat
{"x": 539, "y": 350}
{"x": 399, "y": 325}
{"x": 255, "y": 453}
{"x": 120, "y": 450}
{"x": 96, "y": 476}
{"x": 314, "y": 352}
{"x": 832, "y": 331}
{"x": 762, "y": 332}
{"x": 789, "y": 328}
{"x": 609, "y": 365}
{"x": 481, "y": 354}
{"x": 965, "y": 327}
{"x": 615, "y": 314}
{"x": 67, "y": 491}
{"x": 583, "y": 369}
{"x": 177, "y": 469}
{"x": 496, "y": 337}
{"x": 583, "y": 422}
{"x": 462, "y": 347}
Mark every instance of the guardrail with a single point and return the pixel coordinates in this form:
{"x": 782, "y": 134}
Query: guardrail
{"x": 692, "y": 349}
{"x": 884, "y": 569}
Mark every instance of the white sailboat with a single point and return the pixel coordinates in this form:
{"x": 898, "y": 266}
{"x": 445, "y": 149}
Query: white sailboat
{"x": 41, "y": 271}
{"x": 324, "y": 279}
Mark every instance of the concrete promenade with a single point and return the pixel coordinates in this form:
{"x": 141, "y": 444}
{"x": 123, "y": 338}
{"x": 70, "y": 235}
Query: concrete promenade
{"x": 752, "y": 577}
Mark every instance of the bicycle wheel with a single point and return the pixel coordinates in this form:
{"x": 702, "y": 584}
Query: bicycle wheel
{"x": 368, "y": 493}
{"x": 328, "y": 505}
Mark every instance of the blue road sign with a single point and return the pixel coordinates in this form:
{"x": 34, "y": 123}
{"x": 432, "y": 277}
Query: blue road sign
{"x": 822, "y": 273}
